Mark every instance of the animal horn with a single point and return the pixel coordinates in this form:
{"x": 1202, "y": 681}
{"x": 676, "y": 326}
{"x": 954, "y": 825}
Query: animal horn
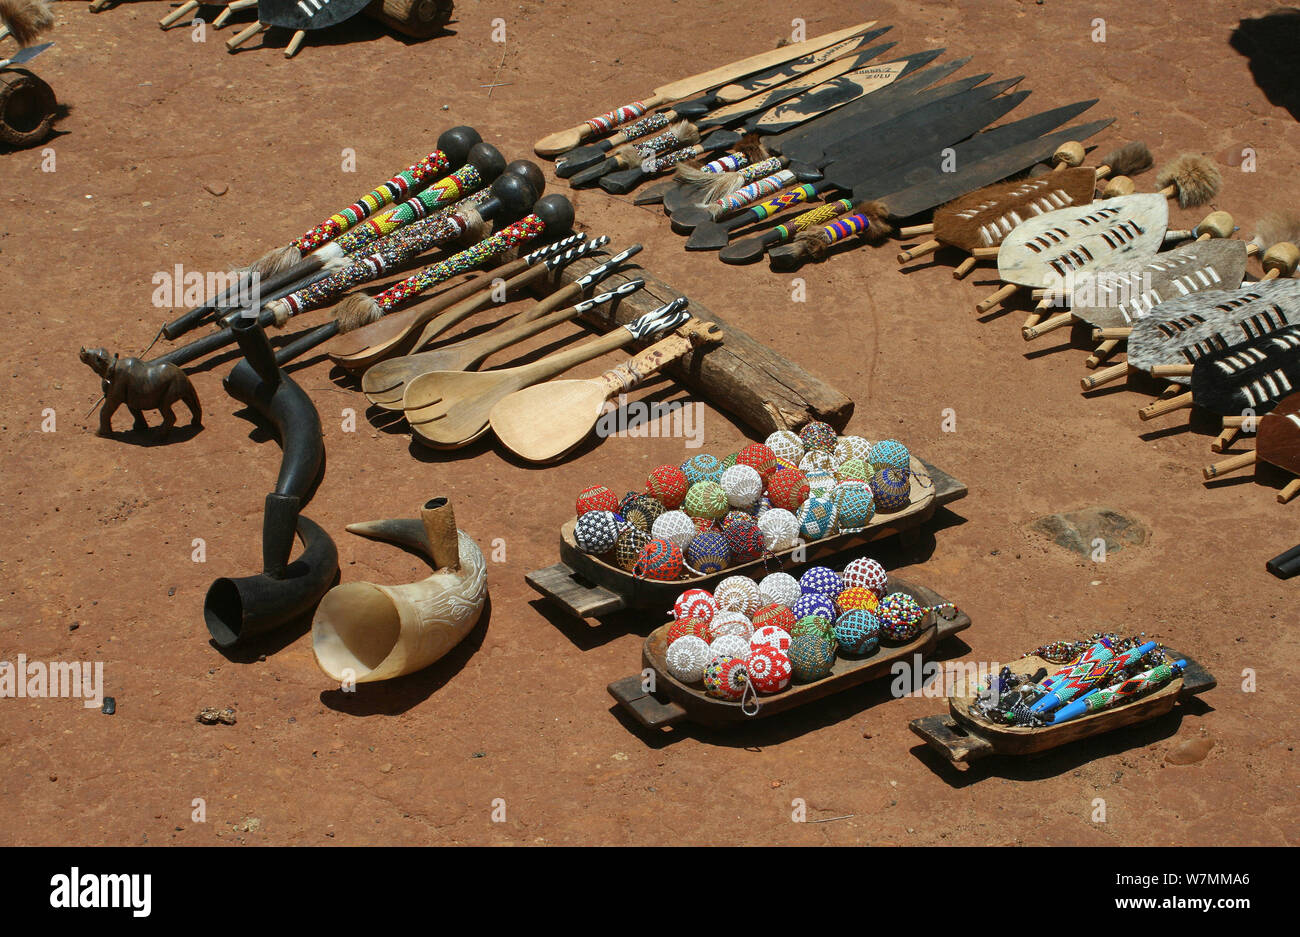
{"x": 367, "y": 632}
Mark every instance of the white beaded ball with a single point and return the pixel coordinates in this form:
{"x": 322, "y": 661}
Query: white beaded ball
{"x": 780, "y": 528}
{"x": 785, "y": 445}
{"x": 816, "y": 459}
{"x": 737, "y": 594}
{"x": 686, "y": 658}
{"x": 771, "y": 636}
{"x": 730, "y": 645}
{"x": 781, "y": 588}
{"x": 733, "y": 623}
{"x": 851, "y": 447}
{"x": 743, "y": 486}
{"x": 820, "y": 482}
{"x": 676, "y": 526}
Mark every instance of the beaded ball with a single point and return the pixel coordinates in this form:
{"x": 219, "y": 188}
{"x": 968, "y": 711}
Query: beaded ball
{"x": 769, "y": 669}
{"x": 858, "y": 632}
{"x": 628, "y": 547}
{"x": 729, "y": 461}
{"x": 851, "y": 447}
{"x": 853, "y": 470}
{"x": 788, "y": 489}
{"x": 742, "y": 485}
{"x": 764, "y": 505}
{"x": 821, "y": 580}
{"x": 667, "y": 484}
{"x": 866, "y": 573}
{"x": 855, "y": 505}
{"x": 891, "y": 489}
{"x": 744, "y": 538}
{"x": 688, "y": 626}
{"x": 817, "y": 625}
{"x": 900, "y": 617}
{"x": 811, "y": 657}
{"x": 642, "y": 512}
{"x": 730, "y": 645}
{"x": 704, "y": 524}
{"x": 660, "y": 559}
{"x": 675, "y": 527}
{"x": 695, "y": 603}
{"x": 817, "y": 518}
{"x": 856, "y": 597}
{"x": 596, "y": 498}
{"x": 780, "y": 529}
{"x": 725, "y": 677}
{"x": 687, "y": 657}
{"x": 702, "y": 467}
{"x": 785, "y": 445}
{"x": 708, "y": 553}
{"x": 820, "y": 483}
{"x": 596, "y": 531}
{"x": 626, "y": 500}
{"x": 772, "y": 635}
{"x": 705, "y": 499}
{"x": 811, "y": 603}
{"x": 780, "y": 588}
{"x": 782, "y": 464}
{"x": 758, "y": 457}
{"x": 725, "y": 622}
{"x": 816, "y": 459}
{"x": 888, "y": 452}
{"x": 774, "y": 615}
{"x": 738, "y": 594}
{"x": 818, "y": 435}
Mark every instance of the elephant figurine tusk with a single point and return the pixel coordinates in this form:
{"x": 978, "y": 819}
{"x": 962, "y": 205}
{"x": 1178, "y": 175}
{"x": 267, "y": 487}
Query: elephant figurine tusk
{"x": 363, "y": 632}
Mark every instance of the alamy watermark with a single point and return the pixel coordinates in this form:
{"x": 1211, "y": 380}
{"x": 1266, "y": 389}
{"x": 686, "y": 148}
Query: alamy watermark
{"x": 639, "y": 420}
{"x": 56, "y": 679}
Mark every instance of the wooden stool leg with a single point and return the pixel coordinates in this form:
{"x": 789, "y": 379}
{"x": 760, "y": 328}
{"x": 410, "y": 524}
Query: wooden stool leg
{"x": 1225, "y": 439}
{"x": 295, "y": 43}
{"x": 1104, "y": 376}
{"x": 189, "y": 6}
{"x": 239, "y": 39}
{"x": 1290, "y": 491}
{"x": 988, "y": 303}
{"x": 963, "y": 268}
{"x": 1104, "y": 351}
{"x": 1228, "y": 465}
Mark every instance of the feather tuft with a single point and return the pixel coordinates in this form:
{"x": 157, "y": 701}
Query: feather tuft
{"x": 880, "y": 228}
{"x": 628, "y": 155}
{"x": 1195, "y": 178}
{"x": 1275, "y": 228}
{"x": 355, "y": 311}
{"x": 26, "y": 19}
{"x": 1129, "y": 159}
{"x": 276, "y": 261}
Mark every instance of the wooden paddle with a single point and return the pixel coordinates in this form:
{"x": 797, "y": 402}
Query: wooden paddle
{"x": 385, "y": 383}
{"x": 543, "y": 422}
{"x": 1278, "y": 443}
{"x": 556, "y": 143}
{"x": 450, "y": 409}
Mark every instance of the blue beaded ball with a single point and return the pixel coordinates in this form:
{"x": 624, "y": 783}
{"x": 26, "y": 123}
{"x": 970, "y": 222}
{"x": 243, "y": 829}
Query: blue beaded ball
{"x": 810, "y": 603}
{"x": 855, "y": 504}
{"x": 821, "y": 580}
{"x": 858, "y": 632}
{"x": 888, "y": 452}
{"x": 891, "y": 489}
{"x": 703, "y": 467}
{"x": 708, "y": 552}
{"x": 817, "y": 518}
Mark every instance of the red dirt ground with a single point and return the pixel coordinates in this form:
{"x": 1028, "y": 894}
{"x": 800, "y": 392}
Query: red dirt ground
{"x": 97, "y": 533}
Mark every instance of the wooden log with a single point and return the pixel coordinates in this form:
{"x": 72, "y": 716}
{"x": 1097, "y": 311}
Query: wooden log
{"x": 27, "y": 108}
{"x": 766, "y": 391}
{"x": 419, "y": 19}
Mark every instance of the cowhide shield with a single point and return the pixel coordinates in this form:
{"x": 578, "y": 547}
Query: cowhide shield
{"x": 1278, "y": 441}
{"x": 308, "y": 14}
{"x": 1190, "y": 328}
{"x": 1117, "y": 295}
{"x": 984, "y": 218}
{"x": 1048, "y": 250}
{"x": 1254, "y": 375}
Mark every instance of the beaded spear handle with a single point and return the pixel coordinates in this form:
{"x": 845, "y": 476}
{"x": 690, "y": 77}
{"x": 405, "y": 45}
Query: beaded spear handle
{"x": 814, "y": 216}
{"x": 646, "y": 125}
{"x": 439, "y": 195}
{"x": 635, "y": 370}
{"x": 772, "y": 206}
{"x": 746, "y": 195}
{"x": 388, "y": 192}
{"x": 727, "y": 162}
{"x": 599, "y": 126}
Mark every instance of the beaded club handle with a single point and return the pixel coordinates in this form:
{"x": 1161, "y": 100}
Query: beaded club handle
{"x": 814, "y": 216}
{"x": 772, "y": 206}
{"x": 439, "y": 195}
{"x": 644, "y": 126}
{"x": 599, "y": 126}
{"x": 748, "y": 194}
{"x": 727, "y": 162}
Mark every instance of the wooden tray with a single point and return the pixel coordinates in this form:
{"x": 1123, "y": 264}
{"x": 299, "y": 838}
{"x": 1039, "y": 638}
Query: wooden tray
{"x": 587, "y": 587}
{"x": 962, "y": 737}
{"x": 673, "y": 700}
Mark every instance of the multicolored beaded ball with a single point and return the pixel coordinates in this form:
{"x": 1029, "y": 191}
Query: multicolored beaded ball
{"x": 851, "y": 447}
{"x": 785, "y": 445}
{"x": 788, "y": 489}
{"x": 820, "y": 483}
{"x": 660, "y": 560}
{"x": 687, "y": 657}
{"x": 596, "y": 498}
{"x": 704, "y": 525}
{"x": 769, "y": 669}
{"x": 758, "y": 457}
{"x": 702, "y": 467}
{"x": 774, "y": 615}
{"x": 744, "y": 538}
{"x": 628, "y": 547}
{"x": 725, "y": 677}
{"x": 688, "y": 626}
{"x": 780, "y": 588}
{"x": 855, "y": 504}
{"x": 667, "y": 484}
{"x": 815, "y": 459}
{"x": 858, "y": 632}
{"x": 810, "y": 603}
{"x": 642, "y": 512}
{"x": 891, "y": 488}
{"x": 708, "y": 553}
{"x": 821, "y": 580}
{"x": 705, "y": 499}
{"x": 742, "y": 485}
{"x": 596, "y": 531}
{"x": 900, "y": 616}
{"x": 856, "y": 597}
{"x": 888, "y": 452}
{"x": 772, "y": 636}
{"x": 626, "y": 500}
{"x": 811, "y": 657}
{"x": 674, "y": 526}
{"x": 730, "y": 645}
{"x": 738, "y": 594}
{"x": 696, "y": 604}
{"x": 853, "y": 470}
{"x": 818, "y": 435}
{"x": 867, "y": 573}
{"x": 780, "y": 529}
{"x": 726, "y": 622}
{"x": 817, "y": 518}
